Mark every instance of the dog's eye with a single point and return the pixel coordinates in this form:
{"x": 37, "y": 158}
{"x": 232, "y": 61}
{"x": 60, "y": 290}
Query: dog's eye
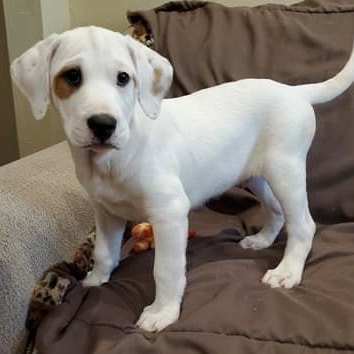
{"x": 122, "y": 78}
{"x": 72, "y": 76}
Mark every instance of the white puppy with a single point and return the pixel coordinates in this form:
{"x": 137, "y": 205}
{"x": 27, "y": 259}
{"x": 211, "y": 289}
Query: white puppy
{"x": 136, "y": 168}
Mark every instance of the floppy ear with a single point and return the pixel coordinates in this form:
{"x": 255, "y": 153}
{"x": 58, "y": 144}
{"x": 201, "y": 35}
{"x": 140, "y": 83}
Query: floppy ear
{"x": 154, "y": 76}
{"x": 30, "y": 73}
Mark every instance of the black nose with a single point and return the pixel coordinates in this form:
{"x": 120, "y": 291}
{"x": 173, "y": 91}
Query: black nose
{"x": 102, "y": 126}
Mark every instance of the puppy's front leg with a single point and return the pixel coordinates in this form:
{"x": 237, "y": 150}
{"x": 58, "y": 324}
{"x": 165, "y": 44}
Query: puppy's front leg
{"x": 109, "y": 234}
{"x": 170, "y": 234}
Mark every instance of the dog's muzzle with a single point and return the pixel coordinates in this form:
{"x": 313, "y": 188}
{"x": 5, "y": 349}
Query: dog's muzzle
{"x": 102, "y": 126}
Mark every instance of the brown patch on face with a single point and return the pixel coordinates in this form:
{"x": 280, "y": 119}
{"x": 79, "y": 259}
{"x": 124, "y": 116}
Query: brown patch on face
{"x": 156, "y": 88}
{"x": 61, "y": 87}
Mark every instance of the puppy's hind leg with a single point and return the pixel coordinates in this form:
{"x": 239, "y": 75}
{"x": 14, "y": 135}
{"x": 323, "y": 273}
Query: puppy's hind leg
{"x": 275, "y": 218}
{"x": 288, "y": 181}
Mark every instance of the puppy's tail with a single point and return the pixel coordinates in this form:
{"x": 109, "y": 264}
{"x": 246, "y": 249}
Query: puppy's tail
{"x": 329, "y": 89}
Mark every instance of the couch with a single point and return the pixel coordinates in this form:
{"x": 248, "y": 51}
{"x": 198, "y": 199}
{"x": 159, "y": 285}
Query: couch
{"x": 226, "y": 309}
{"x": 44, "y": 214}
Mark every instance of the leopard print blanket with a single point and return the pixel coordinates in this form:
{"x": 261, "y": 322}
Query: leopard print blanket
{"x": 51, "y": 288}
{"x": 56, "y": 281}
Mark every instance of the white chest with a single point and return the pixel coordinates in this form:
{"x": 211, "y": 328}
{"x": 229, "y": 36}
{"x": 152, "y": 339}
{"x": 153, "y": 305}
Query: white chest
{"x": 117, "y": 199}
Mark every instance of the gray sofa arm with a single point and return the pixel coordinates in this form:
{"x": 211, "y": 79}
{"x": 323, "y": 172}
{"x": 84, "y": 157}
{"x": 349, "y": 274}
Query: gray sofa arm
{"x": 44, "y": 214}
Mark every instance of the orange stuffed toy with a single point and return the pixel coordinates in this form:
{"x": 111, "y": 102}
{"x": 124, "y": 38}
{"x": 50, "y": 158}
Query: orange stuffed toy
{"x": 144, "y": 237}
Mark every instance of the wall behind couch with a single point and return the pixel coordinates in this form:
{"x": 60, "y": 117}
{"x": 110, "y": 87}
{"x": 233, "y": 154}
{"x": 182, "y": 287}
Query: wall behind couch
{"x": 29, "y": 21}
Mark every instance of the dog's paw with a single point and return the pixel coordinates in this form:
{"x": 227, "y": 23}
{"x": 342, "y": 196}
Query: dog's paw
{"x": 283, "y": 277}
{"x": 255, "y": 242}
{"x": 155, "y": 320}
{"x": 94, "y": 279}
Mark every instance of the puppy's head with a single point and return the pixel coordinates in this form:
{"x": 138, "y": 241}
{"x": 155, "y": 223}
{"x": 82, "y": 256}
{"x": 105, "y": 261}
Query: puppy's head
{"x": 94, "y": 77}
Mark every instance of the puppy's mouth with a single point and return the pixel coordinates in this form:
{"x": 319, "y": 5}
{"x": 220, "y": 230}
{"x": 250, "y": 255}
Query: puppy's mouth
{"x": 101, "y": 147}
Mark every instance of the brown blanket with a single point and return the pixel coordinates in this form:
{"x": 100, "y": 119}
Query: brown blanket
{"x": 226, "y": 309}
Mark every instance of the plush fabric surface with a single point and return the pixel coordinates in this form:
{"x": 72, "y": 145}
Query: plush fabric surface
{"x": 226, "y": 309}
{"x": 44, "y": 213}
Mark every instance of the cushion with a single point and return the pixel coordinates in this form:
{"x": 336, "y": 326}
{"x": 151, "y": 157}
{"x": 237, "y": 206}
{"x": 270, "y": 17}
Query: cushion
{"x": 226, "y": 309}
